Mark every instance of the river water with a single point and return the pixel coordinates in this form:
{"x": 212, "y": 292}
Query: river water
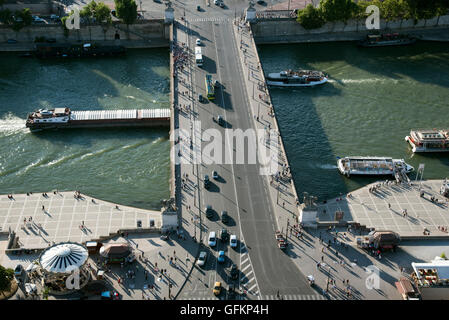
{"x": 128, "y": 166}
{"x": 375, "y": 96}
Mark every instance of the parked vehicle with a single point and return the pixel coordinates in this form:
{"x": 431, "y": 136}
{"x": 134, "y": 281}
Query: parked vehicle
{"x": 282, "y": 243}
{"x": 198, "y": 42}
{"x": 110, "y": 295}
{"x": 215, "y": 175}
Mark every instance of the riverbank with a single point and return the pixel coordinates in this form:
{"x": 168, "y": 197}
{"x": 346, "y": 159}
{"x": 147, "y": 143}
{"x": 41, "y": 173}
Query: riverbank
{"x": 129, "y": 44}
{"x": 440, "y": 34}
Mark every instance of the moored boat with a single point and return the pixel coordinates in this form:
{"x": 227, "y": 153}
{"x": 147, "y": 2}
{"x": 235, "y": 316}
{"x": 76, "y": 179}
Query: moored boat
{"x": 372, "y": 166}
{"x": 388, "y": 39}
{"x": 429, "y": 140}
{"x": 300, "y": 78}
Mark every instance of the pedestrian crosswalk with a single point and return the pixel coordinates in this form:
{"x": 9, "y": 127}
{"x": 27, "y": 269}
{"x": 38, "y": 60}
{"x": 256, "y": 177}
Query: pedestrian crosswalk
{"x": 247, "y": 279}
{"x": 225, "y": 20}
{"x": 294, "y": 297}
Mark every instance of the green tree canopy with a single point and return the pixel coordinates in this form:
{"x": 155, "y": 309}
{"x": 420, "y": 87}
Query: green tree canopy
{"x": 337, "y": 10}
{"x": 25, "y": 19}
{"x": 6, "y": 16}
{"x": 6, "y": 275}
{"x": 310, "y": 17}
{"x": 126, "y": 11}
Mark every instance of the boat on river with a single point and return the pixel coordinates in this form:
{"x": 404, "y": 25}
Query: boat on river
{"x": 65, "y": 50}
{"x": 429, "y": 140}
{"x": 300, "y": 78}
{"x": 388, "y": 39}
{"x": 372, "y": 166}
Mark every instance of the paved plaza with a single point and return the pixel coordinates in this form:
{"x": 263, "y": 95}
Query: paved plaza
{"x": 58, "y": 217}
{"x": 371, "y": 209}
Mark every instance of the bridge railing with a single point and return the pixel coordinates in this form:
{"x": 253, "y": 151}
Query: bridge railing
{"x": 276, "y": 14}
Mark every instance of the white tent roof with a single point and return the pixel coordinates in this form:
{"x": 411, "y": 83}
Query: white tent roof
{"x": 63, "y": 257}
{"x": 441, "y": 267}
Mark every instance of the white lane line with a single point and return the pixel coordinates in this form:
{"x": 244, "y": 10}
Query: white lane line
{"x": 248, "y": 266}
{"x": 254, "y": 286}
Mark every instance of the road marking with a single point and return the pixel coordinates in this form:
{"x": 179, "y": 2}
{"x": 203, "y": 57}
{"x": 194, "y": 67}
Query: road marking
{"x": 248, "y": 266}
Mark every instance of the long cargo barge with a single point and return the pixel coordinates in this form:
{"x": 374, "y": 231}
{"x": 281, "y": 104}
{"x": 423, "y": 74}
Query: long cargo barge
{"x": 65, "y": 118}
{"x": 65, "y": 50}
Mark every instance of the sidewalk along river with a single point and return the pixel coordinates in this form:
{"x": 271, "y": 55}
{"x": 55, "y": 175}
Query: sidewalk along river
{"x": 127, "y": 166}
{"x": 373, "y": 99}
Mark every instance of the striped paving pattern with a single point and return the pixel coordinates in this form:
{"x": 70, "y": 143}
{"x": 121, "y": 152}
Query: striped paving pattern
{"x": 225, "y": 20}
{"x": 248, "y": 278}
{"x": 120, "y": 114}
{"x": 294, "y": 297}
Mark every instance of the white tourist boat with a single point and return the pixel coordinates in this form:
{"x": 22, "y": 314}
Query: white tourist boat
{"x": 429, "y": 140}
{"x": 372, "y": 166}
{"x": 300, "y": 78}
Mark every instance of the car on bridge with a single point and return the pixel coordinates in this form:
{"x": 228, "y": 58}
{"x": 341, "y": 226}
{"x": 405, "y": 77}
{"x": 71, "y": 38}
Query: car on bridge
{"x": 224, "y": 235}
{"x": 217, "y": 288}
{"x": 202, "y": 259}
{"x": 221, "y": 256}
{"x": 212, "y": 241}
{"x": 233, "y": 241}
{"x": 209, "y": 212}
{"x": 224, "y": 217}
{"x": 234, "y": 271}
{"x": 206, "y": 181}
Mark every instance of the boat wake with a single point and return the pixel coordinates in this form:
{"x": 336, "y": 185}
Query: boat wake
{"x": 11, "y": 124}
{"x": 327, "y": 166}
{"x": 361, "y": 81}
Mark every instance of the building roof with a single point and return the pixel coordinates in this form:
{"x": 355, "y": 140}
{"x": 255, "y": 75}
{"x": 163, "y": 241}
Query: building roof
{"x": 63, "y": 257}
{"x": 116, "y": 250}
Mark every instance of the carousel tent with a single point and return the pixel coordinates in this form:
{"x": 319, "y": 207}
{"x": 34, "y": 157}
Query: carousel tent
{"x": 115, "y": 250}
{"x": 63, "y": 257}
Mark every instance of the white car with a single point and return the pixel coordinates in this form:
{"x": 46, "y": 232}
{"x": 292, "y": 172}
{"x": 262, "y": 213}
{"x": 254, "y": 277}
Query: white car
{"x": 212, "y": 239}
{"x": 233, "y": 241}
{"x": 198, "y": 42}
{"x": 202, "y": 258}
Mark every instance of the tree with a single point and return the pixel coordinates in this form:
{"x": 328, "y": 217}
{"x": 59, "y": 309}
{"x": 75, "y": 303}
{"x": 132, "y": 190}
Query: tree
{"x": 103, "y": 16}
{"x": 310, "y": 17}
{"x": 6, "y": 276}
{"x": 6, "y": 16}
{"x": 337, "y": 10}
{"x": 126, "y": 11}
{"x": 22, "y": 19}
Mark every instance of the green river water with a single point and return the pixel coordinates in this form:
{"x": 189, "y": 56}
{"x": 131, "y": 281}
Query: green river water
{"x": 374, "y": 98}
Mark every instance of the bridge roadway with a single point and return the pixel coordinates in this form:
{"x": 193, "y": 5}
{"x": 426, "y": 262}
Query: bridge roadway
{"x": 241, "y": 190}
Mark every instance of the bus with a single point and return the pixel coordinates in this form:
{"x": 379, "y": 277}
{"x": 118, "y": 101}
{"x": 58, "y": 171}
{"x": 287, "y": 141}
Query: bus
{"x": 198, "y": 56}
{"x": 209, "y": 87}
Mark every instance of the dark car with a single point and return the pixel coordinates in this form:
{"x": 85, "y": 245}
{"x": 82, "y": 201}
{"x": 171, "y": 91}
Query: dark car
{"x": 234, "y": 271}
{"x": 260, "y": 1}
{"x": 222, "y": 5}
{"x": 231, "y": 292}
{"x": 224, "y": 217}
{"x": 198, "y": 8}
{"x": 200, "y": 98}
{"x": 18, "y": 270}
{"x": 206, "y": 181}
{"x": 220, "y": 120}
{"x": 209, "y": 211}
{"x": 224, "y": 235}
